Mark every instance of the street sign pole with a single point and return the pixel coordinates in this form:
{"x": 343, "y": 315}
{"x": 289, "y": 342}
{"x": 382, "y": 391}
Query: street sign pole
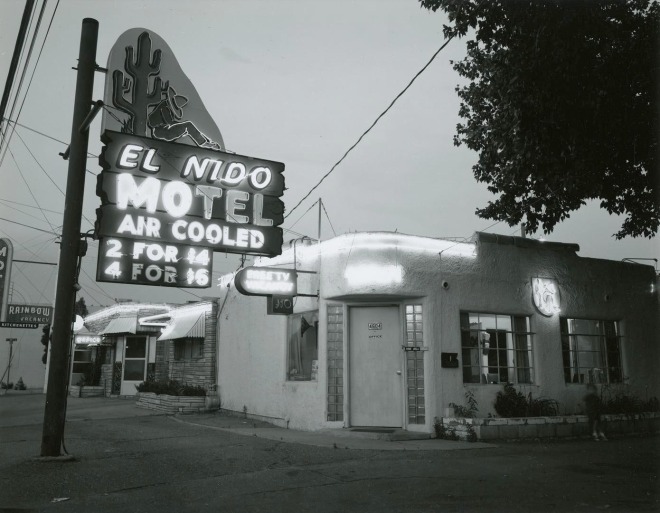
{"x": 11, "y": 356}
{"x": 55, "y": 410}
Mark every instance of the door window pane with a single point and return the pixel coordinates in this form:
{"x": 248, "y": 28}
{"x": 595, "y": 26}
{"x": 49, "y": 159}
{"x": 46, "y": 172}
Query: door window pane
{"x": 134, "y": 370}
{"x": 136, "y": 347}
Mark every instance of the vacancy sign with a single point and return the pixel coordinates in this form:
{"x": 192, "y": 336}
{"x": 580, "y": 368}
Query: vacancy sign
{"x": 171, "y": 195}
{"x": 266, "y": 281}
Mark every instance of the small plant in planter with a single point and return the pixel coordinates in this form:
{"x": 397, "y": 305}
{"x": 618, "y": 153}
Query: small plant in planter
{"x": 512, "y": 403}
{"x": 468, "y": 411}
{"x": 442, "y": 432}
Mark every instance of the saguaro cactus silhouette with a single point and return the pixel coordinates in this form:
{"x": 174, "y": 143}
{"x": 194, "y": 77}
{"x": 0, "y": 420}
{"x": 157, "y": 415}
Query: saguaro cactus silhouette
{"x": 141, "y": 98}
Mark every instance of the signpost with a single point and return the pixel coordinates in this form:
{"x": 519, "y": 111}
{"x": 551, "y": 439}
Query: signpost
{"x": 11, "y": 356}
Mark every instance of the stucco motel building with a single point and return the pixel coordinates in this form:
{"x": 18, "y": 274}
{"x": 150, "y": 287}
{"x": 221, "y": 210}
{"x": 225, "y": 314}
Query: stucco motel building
{"x": 389, "y": 329}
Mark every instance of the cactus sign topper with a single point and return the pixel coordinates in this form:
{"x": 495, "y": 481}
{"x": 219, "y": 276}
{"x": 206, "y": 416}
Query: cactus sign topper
{"x": 148, "y": 94}
{"x": 169, "y": 191}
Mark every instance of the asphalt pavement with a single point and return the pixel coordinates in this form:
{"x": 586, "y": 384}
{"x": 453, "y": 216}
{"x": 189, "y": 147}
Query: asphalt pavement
{"x": 128, "y": 459}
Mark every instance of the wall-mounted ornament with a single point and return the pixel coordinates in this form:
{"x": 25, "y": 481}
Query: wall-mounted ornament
{"x": 545, "y": 295}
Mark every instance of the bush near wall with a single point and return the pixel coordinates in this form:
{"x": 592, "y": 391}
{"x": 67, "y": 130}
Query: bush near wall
{"x": 170, "y": 387}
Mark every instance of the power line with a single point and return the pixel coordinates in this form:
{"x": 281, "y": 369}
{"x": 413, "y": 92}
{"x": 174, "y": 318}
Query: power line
{"x": 48, "y": 137}
{"x": 326, "y": 215}
{"x": 38, "y": 164}
{"x": 372, "y": 125}
{"x": 30, "y": 206}
{"x": 20, "y": 84}
{"x": 306, "y": 211}
{"x": 28, "y": 187}
{"x": 19, "y": 46}
{"x": 28, "y": 226}
{"x": 15, "y": 209}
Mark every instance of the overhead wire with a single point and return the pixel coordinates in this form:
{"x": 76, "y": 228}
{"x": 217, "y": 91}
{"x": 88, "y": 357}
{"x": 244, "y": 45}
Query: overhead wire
{"x": 28, "y": 226}
{"x": 16, "y": 209}
{"x": 29, "y": 189}
{"x": 29, "y": 206}
{"x": 380, "y": 116}
{"x": 326, "y": 215}
{"x": 14, "y": 88}
{"x": 39, "y": 164}
{"x": 25, "y": 68}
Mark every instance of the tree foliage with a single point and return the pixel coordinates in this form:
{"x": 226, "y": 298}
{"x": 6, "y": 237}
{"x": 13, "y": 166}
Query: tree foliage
{"x": 561, "y": 105}
{"x": 45, "y": 340}
{"x": 80, "y": 308}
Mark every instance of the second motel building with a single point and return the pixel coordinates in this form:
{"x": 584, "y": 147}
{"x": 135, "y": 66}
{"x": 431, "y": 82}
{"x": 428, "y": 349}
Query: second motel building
{"x": 393, "y": 328}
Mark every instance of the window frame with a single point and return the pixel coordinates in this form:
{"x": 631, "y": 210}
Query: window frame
{"x": 313, "y": 375}
{"x": 81, "y": 366}
{"x": 516, "y": 343}
{"x": 184, "y": 349}
{"x": 570, "y": 349}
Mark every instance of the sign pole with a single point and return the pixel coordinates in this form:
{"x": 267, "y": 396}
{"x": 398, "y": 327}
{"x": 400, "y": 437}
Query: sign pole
{"x": 11, "y": 356}
{"x": 55, "y": 412}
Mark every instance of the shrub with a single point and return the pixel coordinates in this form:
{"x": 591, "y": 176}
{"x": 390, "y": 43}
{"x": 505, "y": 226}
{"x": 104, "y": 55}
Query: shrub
{"x": 442, "y": 432}
{"x": 617, "y": 401}
{"x": 170, "y": 387}
{"x": 469, "y": 411}
{"x": 512, "y": 403}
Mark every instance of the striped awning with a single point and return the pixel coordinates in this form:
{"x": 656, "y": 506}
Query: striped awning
{"x": 185, "y": 324}
{"x": 121, "y": 326}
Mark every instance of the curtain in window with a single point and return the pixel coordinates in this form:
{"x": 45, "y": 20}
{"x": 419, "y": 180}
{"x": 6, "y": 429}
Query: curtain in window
{"x": 295, "y": 347}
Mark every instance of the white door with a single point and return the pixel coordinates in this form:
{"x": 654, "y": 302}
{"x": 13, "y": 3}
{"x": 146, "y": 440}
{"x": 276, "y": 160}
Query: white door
{"x": 375, "y": 367}
{"x": 135, "y": 364}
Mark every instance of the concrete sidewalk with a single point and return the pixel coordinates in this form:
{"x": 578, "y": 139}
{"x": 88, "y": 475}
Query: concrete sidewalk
{"x": 332, "y": 438}
{"x": 18, "y": 409}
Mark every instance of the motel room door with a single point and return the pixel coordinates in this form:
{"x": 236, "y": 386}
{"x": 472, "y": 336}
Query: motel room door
{"x": 375, "y": 367}
{"x": 135, "y": 364}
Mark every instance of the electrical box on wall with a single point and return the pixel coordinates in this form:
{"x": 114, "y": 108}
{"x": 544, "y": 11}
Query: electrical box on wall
{"x": 449, "y": 360}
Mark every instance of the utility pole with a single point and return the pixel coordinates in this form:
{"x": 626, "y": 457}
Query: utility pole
{"x": 55, "y": 410}
{"x": 320, "y": 206}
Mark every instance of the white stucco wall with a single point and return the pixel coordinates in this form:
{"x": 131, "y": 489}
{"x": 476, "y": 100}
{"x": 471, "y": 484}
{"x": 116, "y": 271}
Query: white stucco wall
{"x": 491, "y": 275}
{"x": 252, "y": 360}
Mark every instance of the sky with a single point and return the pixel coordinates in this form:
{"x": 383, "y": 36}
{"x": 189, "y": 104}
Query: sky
{"x": 294, "y": 81}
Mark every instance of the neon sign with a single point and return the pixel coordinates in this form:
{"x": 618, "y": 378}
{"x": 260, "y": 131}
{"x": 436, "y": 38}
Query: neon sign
{"x": 167, "y": 185}
{"x": 41, "y": 314}
{"x": 545, "y": 295}
{"x": 88, "y": 339}
{"x": 149, "y": 263}
{"x": 266, "y": 281}
{"x": 176, "y": 194}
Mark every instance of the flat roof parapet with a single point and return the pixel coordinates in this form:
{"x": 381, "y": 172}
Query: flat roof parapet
{"x": 524, "y": 242}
